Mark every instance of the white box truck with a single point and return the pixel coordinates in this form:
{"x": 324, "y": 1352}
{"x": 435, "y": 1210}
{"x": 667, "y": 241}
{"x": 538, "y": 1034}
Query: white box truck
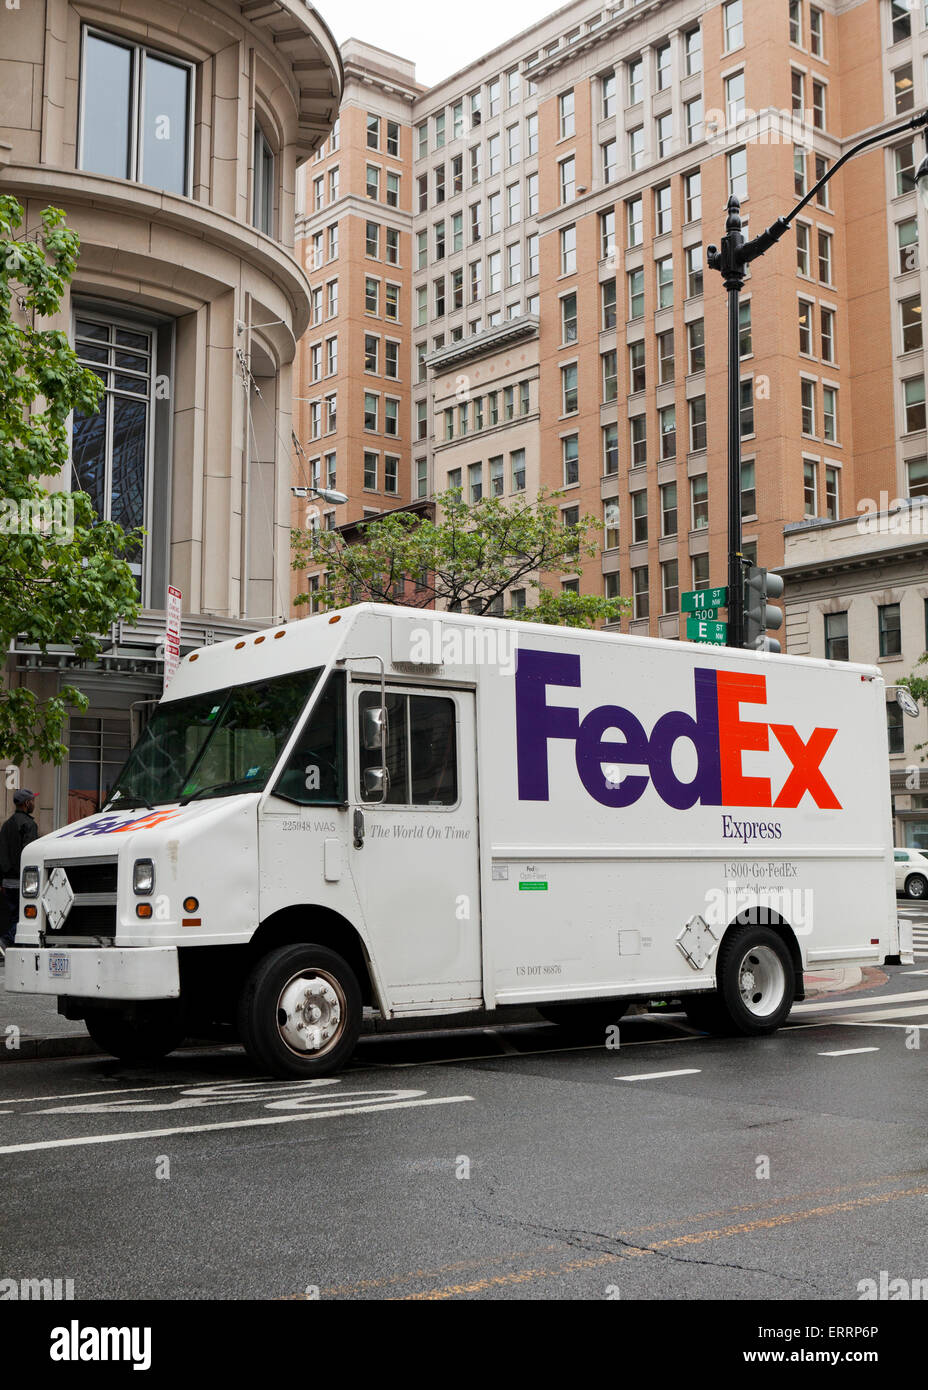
{"x": 430, "y": 813}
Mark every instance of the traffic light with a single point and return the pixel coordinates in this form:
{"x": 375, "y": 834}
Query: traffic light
{"x": 759, "y": 615}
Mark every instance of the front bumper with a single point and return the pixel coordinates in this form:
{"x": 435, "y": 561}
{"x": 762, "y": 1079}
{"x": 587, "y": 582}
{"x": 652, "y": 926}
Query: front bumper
{"x": 137, "y": 972}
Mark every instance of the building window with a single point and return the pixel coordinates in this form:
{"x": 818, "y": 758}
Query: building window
{"x": 666, "y": 364}
{"x": 910, "y": 313}
{"x": 610, "y": 371}
{"x": 807, "y": 402}
{"x": 907, "y": 241}
{"x": 639, "y": 516}
{"x": 665, "y": 282}
{"x": 670, "y": 586}
{"x": 917, "y": 476}
{"x": 890, "y": 630}
{"x": 333, "y": 242}
{"x": 136, "y": 107}
{"x": 669, "y": 509}
{"x": 636, "y": 367}
{"x": 748, "y": 492}
{"x": 697, "y": 407}
{"x": 738, "y": 174}
{"x": 571, "y": 459}
{"x": 795, "y": 22}
{"x": 734, "y": 97}
{"x": 611, "y": 523}
{"x": 638, "y": 430}
{"x": 829, "y": 414}
{"x": 832, "y": 500}
{"x": 701, "y": 571}
{"x": 636, "y": 294}
{"x": 664, "y": 127}
{"x": 569, "y": 396}
{"x": 747, "y": 407}
{"x": 836, "y": 639}
{"x": 373, "y": 132}
{"x": 745, "y": 342}
{"x": 372, "y": 182}
{"x": 569, "y": 318}
{"x": 699, "y": 501}
{"x": 827, "y": 322}
{"x": 636, "y": 148}
{"x": 566, "y": 113}
{"x": 391, "y": 472}
{"x": 914, "y": 395}
{"x": 692, "y": 196}
{"x": 568, "y": 250}
{"x": 667, "y": 422}
{"x": 265, "y": 184}
{"x": 635, "y": 74}
{"x": 904, "y": 164}
{"x": 816, "y": 33}
{"x": 694, "y": 283}
{"x": 531, "y": 134}
{"x": 662, "y": 210}
{"x": 903, "y": 89}
{"x": 733, "y": 24}
{"x": 805, "y": 327}
{"x": 692, "y": 49}
{"x": 810, "y": 487}
{"x": 802, "y": 248}
{"x": 607, "y": 94}
{"x": 371, "y": 403}
{"x": 611, "y": 451}
{"x": 517, "y": 465}
{"x": 370, "y": 471}
{"x": 692, "y": 117}
{"x": 640, "y": 605}
{"x": 696, "y": 345}
{"x": 818, "y": 105}
{"x": 111, "y": 450}
{"x": 475, "y": 481}
{"x": 895, "y": 728}
{"x": 607, "y": 295}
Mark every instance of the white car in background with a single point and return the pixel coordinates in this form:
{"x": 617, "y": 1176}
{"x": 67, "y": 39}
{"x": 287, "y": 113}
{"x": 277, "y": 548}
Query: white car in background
{"x": 911, "y": 872}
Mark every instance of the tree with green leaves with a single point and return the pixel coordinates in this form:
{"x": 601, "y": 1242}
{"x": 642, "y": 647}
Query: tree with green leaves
{"x": 64, "y": 575}
{"x": 465, "y": 559}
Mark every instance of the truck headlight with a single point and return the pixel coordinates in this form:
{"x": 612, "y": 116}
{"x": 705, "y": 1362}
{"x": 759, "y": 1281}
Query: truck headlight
{"x": 30, "y": 882}
{"x": 143, "y": 876}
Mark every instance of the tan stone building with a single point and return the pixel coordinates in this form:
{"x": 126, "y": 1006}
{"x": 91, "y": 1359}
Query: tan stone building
{"x": 575, "y": 174}
{"x": 857, "y": 590}
{"x": 172, "y": 139}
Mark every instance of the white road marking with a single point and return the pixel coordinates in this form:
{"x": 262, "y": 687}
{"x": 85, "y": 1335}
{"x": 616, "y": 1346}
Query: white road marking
{"x": 880, "y": 1014}
{"x": 849, "y": 1052}
{"x": 88, "y": 1139}
{"x": 129, "y": 1090}
{"x": 654, "y": 1075}
{"x": 813, "y": 1007}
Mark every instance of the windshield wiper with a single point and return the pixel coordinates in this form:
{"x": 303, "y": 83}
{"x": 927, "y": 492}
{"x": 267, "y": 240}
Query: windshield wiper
{"x": 214, "y": 787}
{"x": 132, "y": 797}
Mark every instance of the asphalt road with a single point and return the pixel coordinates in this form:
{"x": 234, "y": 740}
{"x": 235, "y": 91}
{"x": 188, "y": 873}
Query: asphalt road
{"x": 505, "y": 1163}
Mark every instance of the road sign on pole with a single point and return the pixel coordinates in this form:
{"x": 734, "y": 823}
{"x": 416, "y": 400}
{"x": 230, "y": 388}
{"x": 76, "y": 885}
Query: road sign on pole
{"x": 697, "y": 600}
{"x": 172, "y": 634}
{"x": 701, "y": 630}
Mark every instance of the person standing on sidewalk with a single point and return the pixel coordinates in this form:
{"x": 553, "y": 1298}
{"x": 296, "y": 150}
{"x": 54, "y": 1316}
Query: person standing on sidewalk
{"x": 18, "y": 831}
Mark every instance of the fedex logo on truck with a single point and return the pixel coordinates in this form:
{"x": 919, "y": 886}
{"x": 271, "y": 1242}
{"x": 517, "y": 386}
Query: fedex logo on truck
{"x": 717, "y": 730}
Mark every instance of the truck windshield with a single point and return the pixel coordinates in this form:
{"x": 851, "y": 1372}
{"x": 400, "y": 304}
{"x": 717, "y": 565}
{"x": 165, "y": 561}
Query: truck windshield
{"x": 216, "y": 744}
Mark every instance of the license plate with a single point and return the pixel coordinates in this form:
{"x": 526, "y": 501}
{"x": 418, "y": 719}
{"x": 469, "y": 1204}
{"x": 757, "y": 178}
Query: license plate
{"x": 59, "y": 965}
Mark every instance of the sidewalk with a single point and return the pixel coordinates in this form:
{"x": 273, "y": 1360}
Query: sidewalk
{"x": 30, "y": 1025}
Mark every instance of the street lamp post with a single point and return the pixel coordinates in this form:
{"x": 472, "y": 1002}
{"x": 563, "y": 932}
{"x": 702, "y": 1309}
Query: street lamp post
{"x": 732, "y": 261}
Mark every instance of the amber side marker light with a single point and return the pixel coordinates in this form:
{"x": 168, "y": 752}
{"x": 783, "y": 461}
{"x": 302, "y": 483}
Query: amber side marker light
{"x": 191, "y": 904}
{"x": 143, "y": 910}
{"x": 31, "y": 911}
{"x": 336, "y": 619}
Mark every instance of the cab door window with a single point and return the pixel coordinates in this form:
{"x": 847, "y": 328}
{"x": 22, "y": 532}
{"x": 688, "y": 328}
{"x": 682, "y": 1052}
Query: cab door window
{"x": 420, "y": 754}
{"x": 315, "y": 771}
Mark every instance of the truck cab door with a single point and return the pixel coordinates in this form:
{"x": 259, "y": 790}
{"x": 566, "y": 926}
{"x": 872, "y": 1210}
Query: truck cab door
{"x": 415, "y": 854}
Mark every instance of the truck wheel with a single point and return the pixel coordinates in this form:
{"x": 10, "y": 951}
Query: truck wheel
{"x": 142, "y": 1037}
{"x": 585, "y": 1020}
{"x": 756, "y": 985}
{"x": 916, "y": 886}
{"x": 299, "y": 1013}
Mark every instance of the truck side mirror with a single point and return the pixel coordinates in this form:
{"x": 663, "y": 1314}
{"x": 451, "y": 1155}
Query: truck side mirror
{"x": 374, "y": 728}
{"x": 375, "y": 781}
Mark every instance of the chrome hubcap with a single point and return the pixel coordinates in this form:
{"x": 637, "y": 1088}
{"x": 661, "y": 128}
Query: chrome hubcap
{"x": 761, "y": 981}
{"x": 310, "y": 1012}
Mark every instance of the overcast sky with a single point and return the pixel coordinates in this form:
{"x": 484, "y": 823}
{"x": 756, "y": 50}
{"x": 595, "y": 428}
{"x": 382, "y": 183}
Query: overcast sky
{"x": 438, "y": 39}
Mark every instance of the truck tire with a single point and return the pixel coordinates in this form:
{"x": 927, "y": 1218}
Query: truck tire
{"x": 756, "y": 985}
{"x": 585, "y": 1020}
{"x": 138, "y": 1037}
{"x": 299, "y": 1013}
{"x": 916, "y": 886}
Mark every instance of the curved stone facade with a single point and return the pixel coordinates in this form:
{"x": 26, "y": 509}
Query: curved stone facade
{"x": 197, "y": 279}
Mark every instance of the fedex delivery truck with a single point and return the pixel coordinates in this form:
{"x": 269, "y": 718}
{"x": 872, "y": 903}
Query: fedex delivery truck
{"x": 426, "y": 813}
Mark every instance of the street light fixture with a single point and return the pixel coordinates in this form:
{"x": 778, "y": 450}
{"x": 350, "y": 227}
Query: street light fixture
{"x": 732, "y": 261}
{"x": 327, "y": 494}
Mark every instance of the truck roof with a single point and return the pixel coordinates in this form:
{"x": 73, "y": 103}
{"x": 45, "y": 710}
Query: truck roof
{"x": 321, "y": 638}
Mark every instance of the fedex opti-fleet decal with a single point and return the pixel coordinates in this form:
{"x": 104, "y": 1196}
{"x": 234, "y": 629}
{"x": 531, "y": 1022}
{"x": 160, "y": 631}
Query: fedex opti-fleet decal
{"x": 717, "y": 730}
{"x": 117, "y": 825}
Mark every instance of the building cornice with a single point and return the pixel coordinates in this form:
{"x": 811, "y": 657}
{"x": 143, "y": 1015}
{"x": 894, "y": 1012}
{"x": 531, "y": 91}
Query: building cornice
{"x": 482, "y": 344}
